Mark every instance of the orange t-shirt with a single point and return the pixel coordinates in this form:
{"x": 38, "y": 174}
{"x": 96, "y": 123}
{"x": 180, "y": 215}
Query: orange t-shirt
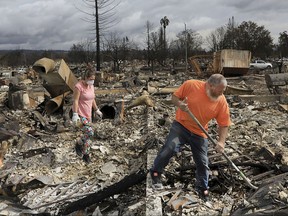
{"x": 202, "y": 107}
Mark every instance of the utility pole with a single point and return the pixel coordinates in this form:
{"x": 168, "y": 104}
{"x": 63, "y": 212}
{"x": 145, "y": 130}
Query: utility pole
{"x": 97, "y": 29}
{"x": 185, "y": 48}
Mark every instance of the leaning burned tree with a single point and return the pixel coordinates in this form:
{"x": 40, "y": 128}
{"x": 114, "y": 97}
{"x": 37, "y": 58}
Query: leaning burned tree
{"x": 101, "y": 13}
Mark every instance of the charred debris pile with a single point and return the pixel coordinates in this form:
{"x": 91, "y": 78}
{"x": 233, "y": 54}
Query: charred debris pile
{"x": 42, "y": 175}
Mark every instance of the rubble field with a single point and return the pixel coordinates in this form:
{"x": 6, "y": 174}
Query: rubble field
{"x": 42, "y": 175}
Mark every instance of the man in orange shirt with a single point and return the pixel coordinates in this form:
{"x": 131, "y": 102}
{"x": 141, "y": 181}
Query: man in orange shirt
{"x": 206, "y": 101}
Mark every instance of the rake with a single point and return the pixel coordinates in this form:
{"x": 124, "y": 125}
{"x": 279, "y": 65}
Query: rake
{"x": 223, "y": 153}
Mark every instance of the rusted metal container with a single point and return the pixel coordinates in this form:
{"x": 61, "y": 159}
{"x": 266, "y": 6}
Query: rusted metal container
{"x": 230, "y": 62}
{"x": 58, "y": 77}
{"x": 59, "y": 81}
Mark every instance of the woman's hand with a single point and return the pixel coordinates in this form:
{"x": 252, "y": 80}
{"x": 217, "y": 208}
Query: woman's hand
{"x": 75, "y": 118}
{"x": 99, "y": 113}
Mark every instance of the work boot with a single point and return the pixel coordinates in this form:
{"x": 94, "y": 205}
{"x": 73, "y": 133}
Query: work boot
{"x": 203, "y": 194}
{"x": 156, "y": 180}
{"x": 86, "y": 158}
{"x": 78, "y": 149}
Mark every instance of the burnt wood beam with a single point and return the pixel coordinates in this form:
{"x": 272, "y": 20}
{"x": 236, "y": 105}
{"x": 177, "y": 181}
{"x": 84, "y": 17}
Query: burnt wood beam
{"x": 117, "y": 188}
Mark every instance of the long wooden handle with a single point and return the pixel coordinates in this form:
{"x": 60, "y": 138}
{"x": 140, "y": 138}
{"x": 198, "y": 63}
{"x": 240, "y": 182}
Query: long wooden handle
{"x": 223, "y": 153}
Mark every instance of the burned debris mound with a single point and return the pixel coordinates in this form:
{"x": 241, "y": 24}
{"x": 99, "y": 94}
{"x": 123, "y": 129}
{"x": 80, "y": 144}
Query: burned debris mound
{"x": 41, "y": 173}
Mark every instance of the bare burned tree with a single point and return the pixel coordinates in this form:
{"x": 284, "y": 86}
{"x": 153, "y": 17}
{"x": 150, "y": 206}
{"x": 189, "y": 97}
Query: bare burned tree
{"x": 149, "y": 26}
{"x": 82, "y": 52}
{"x": 216, "y": 39}
{"x": 223, "y": 37}
{"x": 194, "y": 43}
{"x": 117, "y": 48}
{"x": 102, "y": 14}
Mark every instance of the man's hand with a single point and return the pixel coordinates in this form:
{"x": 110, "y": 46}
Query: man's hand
{"x": 183, "y": 105}
{"x": 219, "y": 147}
{"x": 99, "y": 113}
{"x": 75, "y": 118}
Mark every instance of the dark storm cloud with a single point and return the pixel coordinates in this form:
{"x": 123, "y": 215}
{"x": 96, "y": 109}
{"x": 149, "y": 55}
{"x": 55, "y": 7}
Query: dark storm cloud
{"x": 51, "y": 24}
{"x": 257, "y": 6}
{"x": 58, "y": 24}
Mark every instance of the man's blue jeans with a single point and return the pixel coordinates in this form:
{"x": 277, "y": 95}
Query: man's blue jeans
{"x": 178, "y": 136}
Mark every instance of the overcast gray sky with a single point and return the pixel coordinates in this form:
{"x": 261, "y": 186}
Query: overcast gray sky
{"x": 58, "y": 24}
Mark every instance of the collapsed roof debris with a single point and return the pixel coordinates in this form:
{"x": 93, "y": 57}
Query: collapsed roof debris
{"x": 41, "y": 173}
